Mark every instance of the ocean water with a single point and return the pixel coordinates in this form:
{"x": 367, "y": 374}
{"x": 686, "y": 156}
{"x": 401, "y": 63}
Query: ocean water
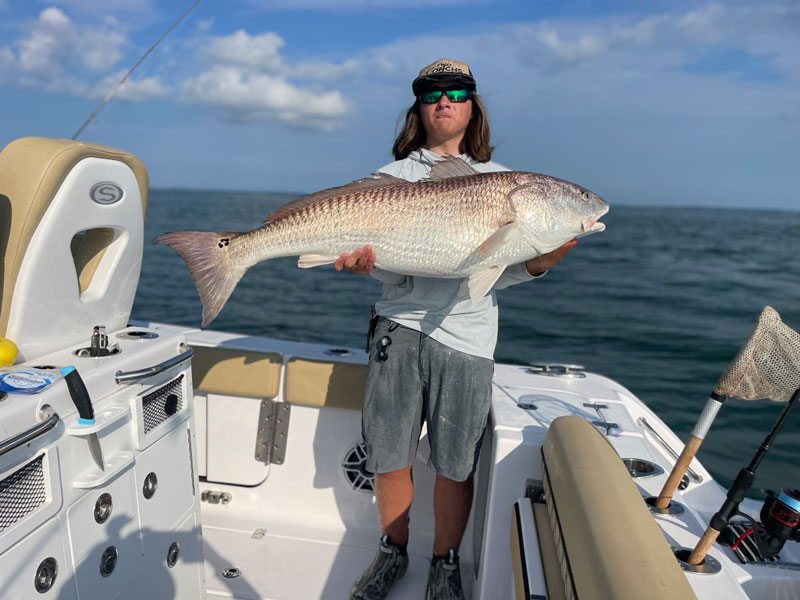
{"x": 661, "y": 302}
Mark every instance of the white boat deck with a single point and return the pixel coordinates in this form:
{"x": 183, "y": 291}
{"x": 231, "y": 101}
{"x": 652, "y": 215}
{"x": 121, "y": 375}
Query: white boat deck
{"x": 282, "y": 567}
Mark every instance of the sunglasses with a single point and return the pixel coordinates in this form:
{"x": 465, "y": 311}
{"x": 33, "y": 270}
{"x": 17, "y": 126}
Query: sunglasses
{"x": 453, "y": 95}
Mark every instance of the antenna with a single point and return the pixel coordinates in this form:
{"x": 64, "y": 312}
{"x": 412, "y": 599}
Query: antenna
{"x": 133, "y": 68}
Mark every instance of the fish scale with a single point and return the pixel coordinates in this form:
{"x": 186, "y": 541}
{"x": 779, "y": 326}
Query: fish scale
{"x": 458, "y": 224}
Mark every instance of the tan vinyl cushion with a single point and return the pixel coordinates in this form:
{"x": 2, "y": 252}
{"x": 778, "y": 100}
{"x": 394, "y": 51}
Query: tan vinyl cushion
{"x": 31, "y": 171}
{"x": 87, "y": 252}
{"x": 547, "y": 548}
{"x": 324, "y": 383}
{"x": 517, "y": 568}
{"x": 613, "y": 547}
{"x": 236, "y": 372}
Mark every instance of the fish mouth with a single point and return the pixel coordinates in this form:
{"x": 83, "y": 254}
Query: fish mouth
{"x": 592, "y": 225}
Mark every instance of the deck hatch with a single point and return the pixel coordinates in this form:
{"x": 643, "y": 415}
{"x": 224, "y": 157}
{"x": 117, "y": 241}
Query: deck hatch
{"x": 21, "y": 493}
{"x": 160, "y": 405}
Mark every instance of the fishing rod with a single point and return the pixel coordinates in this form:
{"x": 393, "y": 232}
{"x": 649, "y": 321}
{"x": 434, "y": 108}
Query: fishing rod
{"x": 767, "y": 366}
{"x": 738, "y": 490}
{"x": 133, "y": 68}
{"x": 753, "y": 374}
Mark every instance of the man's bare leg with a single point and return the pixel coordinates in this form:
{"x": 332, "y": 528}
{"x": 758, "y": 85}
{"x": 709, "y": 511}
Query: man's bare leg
{"x": 394, "y": 492}
{"x": 452, "y": 501}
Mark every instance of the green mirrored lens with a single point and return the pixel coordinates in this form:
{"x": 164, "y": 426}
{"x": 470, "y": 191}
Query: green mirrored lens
{"x": 431, "y": 96}
{"x": 457, "y": 95}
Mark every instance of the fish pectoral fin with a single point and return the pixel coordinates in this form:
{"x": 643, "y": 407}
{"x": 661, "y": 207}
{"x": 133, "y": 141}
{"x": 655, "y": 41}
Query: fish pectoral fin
{"x": 306, "y": 261}
{"x": 480, "y": 283}
{"x": 498, "y": 238}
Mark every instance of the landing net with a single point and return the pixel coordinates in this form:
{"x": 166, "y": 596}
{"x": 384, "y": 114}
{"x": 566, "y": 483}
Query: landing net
{"x": 768, "y": 365}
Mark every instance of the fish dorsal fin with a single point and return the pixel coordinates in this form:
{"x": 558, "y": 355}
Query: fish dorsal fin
{"x": 376, "y": 181}
{"x": 451, "y": 166}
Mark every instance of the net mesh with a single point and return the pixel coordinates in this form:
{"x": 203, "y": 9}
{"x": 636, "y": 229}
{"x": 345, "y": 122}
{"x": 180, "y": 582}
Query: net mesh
{"x": 768, "y": 365}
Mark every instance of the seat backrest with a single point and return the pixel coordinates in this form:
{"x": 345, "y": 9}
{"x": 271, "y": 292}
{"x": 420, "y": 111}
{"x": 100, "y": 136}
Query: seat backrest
{"x": 71, "y": 225}
{"x": 608, "y": 543}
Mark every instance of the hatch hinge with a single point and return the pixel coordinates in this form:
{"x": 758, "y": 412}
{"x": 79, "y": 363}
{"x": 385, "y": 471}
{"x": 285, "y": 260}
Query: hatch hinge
{"x": 273, "y": 432}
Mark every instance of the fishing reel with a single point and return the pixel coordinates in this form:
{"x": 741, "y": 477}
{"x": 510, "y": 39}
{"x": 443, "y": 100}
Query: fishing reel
{"x": 780, "y": 521}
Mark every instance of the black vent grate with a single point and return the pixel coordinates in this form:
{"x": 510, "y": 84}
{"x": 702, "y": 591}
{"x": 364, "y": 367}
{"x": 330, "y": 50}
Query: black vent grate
{"x": 160, "y": 405}
{"x": 21, "y": 493}
{"x": 747, "y": 550}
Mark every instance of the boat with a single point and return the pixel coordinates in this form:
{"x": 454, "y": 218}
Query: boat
{"x": 222, "y": 465}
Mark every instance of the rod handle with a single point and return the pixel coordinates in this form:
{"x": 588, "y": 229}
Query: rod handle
{"x": 678, "y": 471}
{"x": 703, "y": 545}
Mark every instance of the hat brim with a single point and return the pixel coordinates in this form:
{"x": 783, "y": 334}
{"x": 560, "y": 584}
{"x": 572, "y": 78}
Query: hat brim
{"x": 420, "y": 83}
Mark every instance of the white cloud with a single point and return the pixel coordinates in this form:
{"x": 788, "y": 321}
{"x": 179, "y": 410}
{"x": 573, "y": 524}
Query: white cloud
{"x": 133, "y": 90}
{"x": 703, "y": 24}
{"x": 248, "y": 80}
{"x": 246, "y": 96}
{"x": 259, "y": 52}
{"x": 56, "y": 44}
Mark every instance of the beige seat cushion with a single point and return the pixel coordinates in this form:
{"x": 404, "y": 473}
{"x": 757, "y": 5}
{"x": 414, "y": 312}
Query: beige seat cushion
{"x": 608, "y": 537}
{"x": 31, "y": 171}
{"x": 547, "y": 548}
{"x": 324, "y": 383}
{"x": 236, "y": 372}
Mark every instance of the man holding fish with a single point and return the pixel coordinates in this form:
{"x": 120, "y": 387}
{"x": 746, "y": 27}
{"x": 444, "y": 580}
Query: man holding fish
{"x": 432, "y": 353}
{"x": 442, "y": 228}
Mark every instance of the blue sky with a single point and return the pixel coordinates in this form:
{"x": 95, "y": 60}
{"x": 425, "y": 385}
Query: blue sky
{"x": 642, "y": 102}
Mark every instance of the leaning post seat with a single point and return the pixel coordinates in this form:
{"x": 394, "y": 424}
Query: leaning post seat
{"x": 606, "y": 540}
{"x": 71, "y": 228}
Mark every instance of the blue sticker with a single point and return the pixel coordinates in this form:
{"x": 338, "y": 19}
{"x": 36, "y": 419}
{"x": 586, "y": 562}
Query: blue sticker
{"x": 25, "y": 382}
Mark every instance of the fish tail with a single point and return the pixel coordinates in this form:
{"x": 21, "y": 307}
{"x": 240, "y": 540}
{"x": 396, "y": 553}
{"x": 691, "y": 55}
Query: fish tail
{"x": 208, "y": 256}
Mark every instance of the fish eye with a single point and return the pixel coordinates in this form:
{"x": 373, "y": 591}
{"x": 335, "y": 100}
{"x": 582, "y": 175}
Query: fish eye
{"x": 586, "y": 196}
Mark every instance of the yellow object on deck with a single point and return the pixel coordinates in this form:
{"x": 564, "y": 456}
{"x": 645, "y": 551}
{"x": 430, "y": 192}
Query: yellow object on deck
{"x": 8, "y": 352}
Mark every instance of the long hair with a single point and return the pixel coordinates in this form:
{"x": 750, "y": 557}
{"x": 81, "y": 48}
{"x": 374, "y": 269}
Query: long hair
{"x": 475, "y": 142}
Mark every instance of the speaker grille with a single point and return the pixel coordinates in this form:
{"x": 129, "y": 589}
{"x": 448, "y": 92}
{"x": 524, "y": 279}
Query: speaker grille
{"x": 354, "y": 465}
{"x": 161, "y": 404}
{"x": 21, "y": 493}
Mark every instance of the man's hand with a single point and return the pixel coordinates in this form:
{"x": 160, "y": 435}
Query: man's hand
{"x": 537, "y": 266}
{"x": 360, "y": 261}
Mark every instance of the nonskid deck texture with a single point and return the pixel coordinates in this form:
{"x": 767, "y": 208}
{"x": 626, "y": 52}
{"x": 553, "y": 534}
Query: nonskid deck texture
{"x": 285, "y": 567}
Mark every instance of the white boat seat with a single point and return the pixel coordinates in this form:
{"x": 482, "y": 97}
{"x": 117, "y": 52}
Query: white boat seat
{"x": 32, "y": 171}
{"x": 607, "y": 542}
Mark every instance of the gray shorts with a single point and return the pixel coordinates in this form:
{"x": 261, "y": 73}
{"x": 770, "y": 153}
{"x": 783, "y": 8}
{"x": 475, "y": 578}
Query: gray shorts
{"x": 419, "y": 379}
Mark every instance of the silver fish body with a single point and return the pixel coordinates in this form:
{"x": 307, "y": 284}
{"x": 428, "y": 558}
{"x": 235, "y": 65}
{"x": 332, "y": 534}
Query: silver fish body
{"x": 457, "y": 224}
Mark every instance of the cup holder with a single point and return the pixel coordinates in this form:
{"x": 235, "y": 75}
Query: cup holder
{"x": 673, "y": 508}
{"x": 137, "y": 334}
{"x": 708, "y": 566}
{"x": 639, "y": 467}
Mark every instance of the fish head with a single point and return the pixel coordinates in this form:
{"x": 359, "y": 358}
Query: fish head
{"x": 552, "y": 211}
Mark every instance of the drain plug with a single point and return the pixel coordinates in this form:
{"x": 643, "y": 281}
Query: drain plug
{"x": 231, "y": 573}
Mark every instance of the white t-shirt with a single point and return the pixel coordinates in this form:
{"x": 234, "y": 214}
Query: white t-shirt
{"x": 430, "y": 304}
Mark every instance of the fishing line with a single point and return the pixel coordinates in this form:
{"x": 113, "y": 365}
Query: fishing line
{"x": 133, "y": 68}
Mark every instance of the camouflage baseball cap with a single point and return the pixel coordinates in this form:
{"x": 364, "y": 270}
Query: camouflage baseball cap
{"x": 443, "y": 69}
